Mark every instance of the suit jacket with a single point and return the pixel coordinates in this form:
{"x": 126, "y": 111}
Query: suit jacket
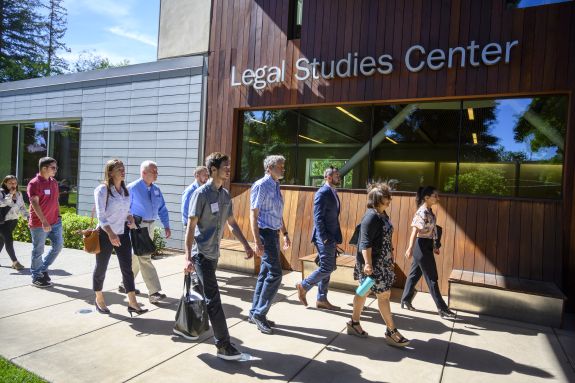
{"x": 326, "y": 216}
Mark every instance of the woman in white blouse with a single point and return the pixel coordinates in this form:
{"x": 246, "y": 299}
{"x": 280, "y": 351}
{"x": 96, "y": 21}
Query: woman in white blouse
{"x": 13, "y": 203}
{"x": 423, "y": 246}
{"x": 113, "y": 212}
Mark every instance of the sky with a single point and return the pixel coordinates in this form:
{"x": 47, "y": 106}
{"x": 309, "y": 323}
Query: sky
{"x": 116, "y": 29}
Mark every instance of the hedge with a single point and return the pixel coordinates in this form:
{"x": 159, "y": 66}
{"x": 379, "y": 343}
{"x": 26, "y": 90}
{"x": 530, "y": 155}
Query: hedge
{"x": 71, "y": 223}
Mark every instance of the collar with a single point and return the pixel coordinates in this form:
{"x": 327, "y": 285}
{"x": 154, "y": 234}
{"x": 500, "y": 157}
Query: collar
{"x": 39, "y": 176}
{"x": 268, "y": 177}
{"x": 211, "y": 185}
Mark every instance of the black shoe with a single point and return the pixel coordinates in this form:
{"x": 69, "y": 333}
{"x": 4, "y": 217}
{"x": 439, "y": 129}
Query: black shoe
{"x": 46, "y": 276}
{"x": 407, "y": 305}
{"x": 139, "y": 311}
{"x": 156, "y": 297}
{"x": 228, "y": 352}
{"x": 271, "y": 323}
{"x": 41, "y": 282}
{"x": 263, "y": 325}
{"x": 101, "y": 311}
{"x": 122, "y": 289}
{"x": 446, "y": 313}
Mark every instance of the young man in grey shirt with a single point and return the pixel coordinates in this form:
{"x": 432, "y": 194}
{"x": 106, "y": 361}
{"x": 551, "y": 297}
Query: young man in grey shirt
{"x": 210, "y": 209}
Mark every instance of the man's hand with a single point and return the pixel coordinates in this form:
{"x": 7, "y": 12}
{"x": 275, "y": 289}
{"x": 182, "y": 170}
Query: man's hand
{"x": 131, "y": 222}
{"x": 168, "y": 233}
{"x": 287, "y": 242}
{"x": 259, "y": 249}
{"x": 189, "y": 266}
{"x": 249, "y": 252}
{"x": 114, "y": 240}
{"x": 46, "y": 227}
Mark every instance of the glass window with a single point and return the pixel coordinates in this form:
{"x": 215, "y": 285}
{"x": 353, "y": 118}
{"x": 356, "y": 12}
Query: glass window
{"x": 295, "y": 17}
{"x": 64, "y": 147}
{"x": 531, "y": 3}
{"x": 8, "y": 149}
{"x": 33, "y": 146}
{"x": 416, "y": 145}
{"x": 513, "y": 147}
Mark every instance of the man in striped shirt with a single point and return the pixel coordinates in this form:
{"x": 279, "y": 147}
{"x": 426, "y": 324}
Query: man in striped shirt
{"x": 266, "y": 219}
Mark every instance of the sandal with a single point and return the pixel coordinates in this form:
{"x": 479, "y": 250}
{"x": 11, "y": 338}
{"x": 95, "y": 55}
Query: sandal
{"x": 352, "y": 330}
{"x": 394, "y": 338}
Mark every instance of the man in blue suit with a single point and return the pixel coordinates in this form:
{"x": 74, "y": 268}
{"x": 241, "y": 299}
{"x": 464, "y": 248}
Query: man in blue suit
{"x": 326, "y": 236}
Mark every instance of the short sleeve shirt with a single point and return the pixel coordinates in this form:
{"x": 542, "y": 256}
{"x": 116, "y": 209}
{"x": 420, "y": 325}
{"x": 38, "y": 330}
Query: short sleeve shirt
{"x": 212, "y": 207}
{"x": 425, "y": 221}
{"x": 46, "y": 189}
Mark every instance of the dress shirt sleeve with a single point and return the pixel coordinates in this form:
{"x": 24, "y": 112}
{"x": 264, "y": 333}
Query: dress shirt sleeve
{"x": 418, "y": 220}
{"x": 100, "y": 201}
{"x": 185, "y": 205}
{"x": 256, "y": 197}
{"x": 197, "y": 204}
{"x": 163, "y": 211}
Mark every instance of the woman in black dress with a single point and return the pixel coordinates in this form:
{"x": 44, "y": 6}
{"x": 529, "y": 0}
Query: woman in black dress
{"x": 375, "y": 259}
{"x": 423, "y": 245}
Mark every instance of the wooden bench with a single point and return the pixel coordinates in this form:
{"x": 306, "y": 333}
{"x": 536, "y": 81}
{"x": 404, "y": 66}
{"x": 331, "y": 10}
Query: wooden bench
{"x": 341, "y": 278}
{"x": 232, "y": 258}
{"x": 507, "y": 297}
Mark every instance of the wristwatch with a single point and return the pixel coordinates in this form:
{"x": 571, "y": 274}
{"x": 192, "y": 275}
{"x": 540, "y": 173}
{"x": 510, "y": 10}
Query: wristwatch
{"x": 285, "y": 233}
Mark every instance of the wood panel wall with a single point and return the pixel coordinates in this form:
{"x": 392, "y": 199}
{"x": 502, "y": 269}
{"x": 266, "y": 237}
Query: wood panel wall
{"x": 253, "y": 33}
{"x": 485, "y": 235}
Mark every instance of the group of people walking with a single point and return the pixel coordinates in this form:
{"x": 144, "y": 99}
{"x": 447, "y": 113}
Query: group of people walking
{"x": 206, "y": 209}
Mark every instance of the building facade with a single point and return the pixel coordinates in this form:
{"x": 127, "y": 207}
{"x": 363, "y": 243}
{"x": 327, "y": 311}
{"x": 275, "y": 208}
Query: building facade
{"x": 471, "y": 96}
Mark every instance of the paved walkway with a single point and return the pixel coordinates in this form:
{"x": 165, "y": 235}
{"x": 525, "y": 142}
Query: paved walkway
{"x": 57, "y": 334}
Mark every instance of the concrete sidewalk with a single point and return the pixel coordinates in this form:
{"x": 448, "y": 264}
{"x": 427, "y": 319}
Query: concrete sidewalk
{"x": 57, "y": 334}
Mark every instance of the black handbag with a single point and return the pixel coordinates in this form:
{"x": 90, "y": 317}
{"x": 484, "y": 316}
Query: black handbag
{"x": 4, "y": 209}
{"x": 142, "y": 244}
{"x": 192, "y": 314}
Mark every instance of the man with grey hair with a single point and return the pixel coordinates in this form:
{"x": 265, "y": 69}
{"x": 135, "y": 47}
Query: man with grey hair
{"x": 326, "y": 236}
{"x": 147, "y": 205}
{"x": 201, "y": 175}
{"x": 266, "y": 219}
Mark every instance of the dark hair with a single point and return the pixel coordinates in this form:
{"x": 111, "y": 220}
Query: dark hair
{"x": 215, "y": 159}
{"x": 423, "y": 192}
{"x": 45, "y": 162}
{"x": 377, "y": 193}
{"x": 6, "y": 179}
{"x": 329, "y": 171}
{"x": 108, "y": 181}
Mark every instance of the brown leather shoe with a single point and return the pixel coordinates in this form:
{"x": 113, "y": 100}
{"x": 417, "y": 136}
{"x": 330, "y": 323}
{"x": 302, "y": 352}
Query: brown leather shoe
{"x": 325, "y": 305}
{"x": 301, "y": 293}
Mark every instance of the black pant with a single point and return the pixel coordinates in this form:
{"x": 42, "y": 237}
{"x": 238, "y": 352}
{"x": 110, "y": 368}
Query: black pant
{"x": 124, "y": 253}
{"x": 423, "y": 263}
{"x": 206, "y": 270}
{"x": 6, "y": 230}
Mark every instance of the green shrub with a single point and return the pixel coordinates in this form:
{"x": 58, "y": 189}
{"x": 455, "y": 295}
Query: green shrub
{"x": 22, "y": 232}
{"x": 159, "y": 241}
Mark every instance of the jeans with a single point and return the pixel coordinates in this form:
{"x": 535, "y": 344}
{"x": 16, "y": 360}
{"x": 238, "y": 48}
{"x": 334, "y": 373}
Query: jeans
{"x": 270, "y": 276}
{"x": 40, "y": 265}
{"x": 423, "y": 263}
{"x": 6, "y": 230}
{"x": 206, "y": 270}
{"x": 124, "y": 254}
{"x": 320, "y": 276}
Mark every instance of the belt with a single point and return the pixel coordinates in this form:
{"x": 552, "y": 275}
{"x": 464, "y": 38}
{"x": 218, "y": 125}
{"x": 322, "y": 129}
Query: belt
{"x": 148, "y": 221}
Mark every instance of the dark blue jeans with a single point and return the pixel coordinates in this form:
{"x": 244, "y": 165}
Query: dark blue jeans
{"x": 270, "y": 276}
{"x": 206, "y": 270}
{"x": 320, "y": 276}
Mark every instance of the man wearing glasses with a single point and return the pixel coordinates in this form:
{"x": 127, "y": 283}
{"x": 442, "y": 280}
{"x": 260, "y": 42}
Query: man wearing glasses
{"x": 45, "y": 222}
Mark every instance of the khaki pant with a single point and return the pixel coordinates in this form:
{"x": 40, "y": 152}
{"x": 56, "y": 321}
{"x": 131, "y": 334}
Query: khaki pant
{"x": 144, "y": 264}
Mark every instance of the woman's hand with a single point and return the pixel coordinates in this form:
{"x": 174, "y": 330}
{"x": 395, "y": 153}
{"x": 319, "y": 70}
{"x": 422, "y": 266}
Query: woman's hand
{"x": 408, "y": 253}
{"x": 131, "y": 222}
{"x": 367, "y": 269}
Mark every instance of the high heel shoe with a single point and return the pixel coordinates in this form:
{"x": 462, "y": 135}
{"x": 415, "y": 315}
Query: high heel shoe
{"x": 138, "y": 311}
{"x": 446, "y": 313}
{"x": 100, "y": 310}
{"x": 407, "y": 305}
{"x": 401, "y": 341}
{"x": 352, "y": 330}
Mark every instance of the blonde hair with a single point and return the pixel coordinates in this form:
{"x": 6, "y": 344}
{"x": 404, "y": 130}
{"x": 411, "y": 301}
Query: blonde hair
{"x": 108, "y": 180}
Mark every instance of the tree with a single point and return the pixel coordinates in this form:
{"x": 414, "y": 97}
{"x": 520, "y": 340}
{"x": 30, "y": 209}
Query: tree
{"x": 89, "y": 61}
{"x": 55, "y": 27}
{"x": 21, "y": 36}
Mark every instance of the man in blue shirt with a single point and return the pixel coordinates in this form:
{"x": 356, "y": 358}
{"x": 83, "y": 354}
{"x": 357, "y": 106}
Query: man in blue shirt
{"x": 266, "y": 219}
{"x": 326, "y": 236}
{"x": 201, "y": 174}
{"x": 147, "y": 204}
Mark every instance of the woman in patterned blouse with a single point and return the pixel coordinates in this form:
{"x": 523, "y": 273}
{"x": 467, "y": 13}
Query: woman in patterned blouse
{"x": 424, "y": 229}
{"x": 375, "y": 259}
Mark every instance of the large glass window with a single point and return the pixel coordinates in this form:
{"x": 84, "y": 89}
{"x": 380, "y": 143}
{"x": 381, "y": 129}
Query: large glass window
{"x": 23, "y": 144}
{"x": 497, "y": 147}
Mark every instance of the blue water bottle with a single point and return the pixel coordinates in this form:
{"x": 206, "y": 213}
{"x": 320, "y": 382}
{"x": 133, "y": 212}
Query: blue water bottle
{"x": 363, "y": 289}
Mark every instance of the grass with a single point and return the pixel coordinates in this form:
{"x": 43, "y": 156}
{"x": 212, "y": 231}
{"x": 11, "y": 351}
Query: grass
{"x": 10, "y": 373}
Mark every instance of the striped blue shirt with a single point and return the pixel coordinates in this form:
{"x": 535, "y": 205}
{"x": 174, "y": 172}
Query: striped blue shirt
{"x": 266, "y": 197}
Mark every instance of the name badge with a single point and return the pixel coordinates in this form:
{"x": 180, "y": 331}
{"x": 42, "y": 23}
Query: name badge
{"x": 215, "y": 207}
{"x": 47, "y": 191}
{"x": 157, "y": 192}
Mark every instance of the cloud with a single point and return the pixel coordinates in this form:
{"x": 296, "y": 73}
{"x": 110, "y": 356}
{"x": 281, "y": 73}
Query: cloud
{"x": 140, "y": 37}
